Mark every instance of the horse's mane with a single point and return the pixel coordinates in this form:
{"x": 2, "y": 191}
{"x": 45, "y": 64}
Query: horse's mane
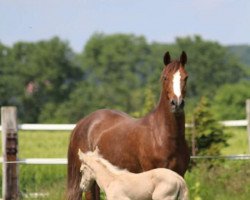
{"x": 170, "y": 68}
{"x": 105, "y": 163}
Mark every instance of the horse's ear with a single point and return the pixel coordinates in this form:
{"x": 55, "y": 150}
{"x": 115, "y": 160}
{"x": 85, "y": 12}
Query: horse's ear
{"x": 183, "y": 58}
{"x": 166, "y": 58}
{"x": 80, "y": 154}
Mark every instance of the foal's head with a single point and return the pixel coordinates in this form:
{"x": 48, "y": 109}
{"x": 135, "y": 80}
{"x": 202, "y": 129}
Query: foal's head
{"x": 88, "y": 178}
{"x": 174, "y": 77}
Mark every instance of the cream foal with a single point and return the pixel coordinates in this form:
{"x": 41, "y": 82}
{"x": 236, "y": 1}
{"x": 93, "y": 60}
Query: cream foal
{"x": 156, "y": 184}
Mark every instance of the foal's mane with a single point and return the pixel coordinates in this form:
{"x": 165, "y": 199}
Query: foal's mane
{"x": 105, "y": 163}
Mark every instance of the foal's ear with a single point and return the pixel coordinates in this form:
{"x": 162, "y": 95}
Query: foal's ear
{"x": 183, "y": 58}
{"x": 166, "y": 58}
{"x": 97, "y": 151}
{"x": 80, "y": 154}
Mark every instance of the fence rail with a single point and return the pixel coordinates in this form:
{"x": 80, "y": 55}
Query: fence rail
{"x": 69, "y": 127}
{"x": 64, "y": 161}
{"x": 38, "y": 161}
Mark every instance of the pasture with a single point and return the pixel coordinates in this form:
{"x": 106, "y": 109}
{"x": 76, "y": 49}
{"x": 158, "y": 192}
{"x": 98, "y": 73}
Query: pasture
{"x": 220, "y": 179}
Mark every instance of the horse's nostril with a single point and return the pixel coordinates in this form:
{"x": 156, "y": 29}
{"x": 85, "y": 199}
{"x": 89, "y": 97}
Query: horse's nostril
{"x": 179, "y": 104}
{"x": 182, "y": 104}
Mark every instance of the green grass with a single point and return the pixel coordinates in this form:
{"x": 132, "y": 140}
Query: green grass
{"x": 223, "y": 180}
{"x": 43, "y": 144}
{"x": 50, "y": 179}
{"x": 226, "y": 180}
{"x": 237, "y": 142}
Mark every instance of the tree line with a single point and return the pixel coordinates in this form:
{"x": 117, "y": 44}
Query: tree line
{"x": 50, "y": 83}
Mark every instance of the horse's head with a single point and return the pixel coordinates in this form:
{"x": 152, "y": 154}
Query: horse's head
{"x": 174, "y": 77}
{"x": 88, "y": 178}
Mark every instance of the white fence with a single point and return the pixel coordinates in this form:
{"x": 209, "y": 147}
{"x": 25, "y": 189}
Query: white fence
{"x": 69, "y": 127}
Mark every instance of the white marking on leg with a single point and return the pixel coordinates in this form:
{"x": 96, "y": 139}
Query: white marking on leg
{"x": 177, "y": 84}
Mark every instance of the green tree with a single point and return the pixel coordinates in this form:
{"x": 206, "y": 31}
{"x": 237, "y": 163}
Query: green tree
{"x": 116, "y": 68}
{"x": 46, "y": 73}
{"x": 49, "y": 82}
{"x": 82, "y": 101}
{"x": 209, "y": 134}
{"x": 242, "y": 52}
{"x": 210, "y": 65}
{"x": 229, "y": 102}
{"x": 149, "y": 103}
{"x": 10, "y": 89}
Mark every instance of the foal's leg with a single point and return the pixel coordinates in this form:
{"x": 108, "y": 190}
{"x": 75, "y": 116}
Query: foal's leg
{"x": 165, "y": 192}
{"x": 117, "y": 197}
{"x": 115, "y": 193}
{"x": 94, "y": 194}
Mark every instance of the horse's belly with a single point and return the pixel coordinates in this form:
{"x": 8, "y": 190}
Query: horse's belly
{"x": 120, "y": 148}
{"x": 120, "y": 156}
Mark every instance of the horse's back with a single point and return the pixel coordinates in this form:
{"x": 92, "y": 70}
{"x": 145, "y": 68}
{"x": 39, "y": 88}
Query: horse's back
{"x": 91, "y": 128}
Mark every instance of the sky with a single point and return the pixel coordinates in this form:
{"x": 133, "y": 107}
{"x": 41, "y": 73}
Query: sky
{"x": 75, "y": 21}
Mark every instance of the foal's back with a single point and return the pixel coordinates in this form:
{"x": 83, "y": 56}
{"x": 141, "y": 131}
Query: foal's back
{"x": 163, "y": 183}
{"x": 168, "y": 184}
{"x": 156, "y": 184}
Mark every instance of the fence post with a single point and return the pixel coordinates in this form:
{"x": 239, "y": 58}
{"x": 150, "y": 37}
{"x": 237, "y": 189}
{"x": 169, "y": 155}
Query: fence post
{"x": 10, "y": 189}
{"x": 248, "y": 121}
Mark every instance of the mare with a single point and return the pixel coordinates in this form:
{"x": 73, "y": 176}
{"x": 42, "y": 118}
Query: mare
{"x": 155, "y": 184}
{"x": 156, "y": 140}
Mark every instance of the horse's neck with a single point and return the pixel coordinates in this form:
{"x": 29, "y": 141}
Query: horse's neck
{"x": 172, "y": 124}
{"x": 103, "y": 175}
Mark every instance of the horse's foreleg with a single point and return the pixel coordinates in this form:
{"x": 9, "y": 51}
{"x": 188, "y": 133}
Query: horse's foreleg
{"x": 94, "y": 194}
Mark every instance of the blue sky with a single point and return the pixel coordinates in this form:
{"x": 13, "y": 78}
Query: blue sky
{"x": 225, "y": 21}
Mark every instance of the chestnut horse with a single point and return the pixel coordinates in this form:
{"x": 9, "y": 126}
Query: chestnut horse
{"x": 154, "y": 141}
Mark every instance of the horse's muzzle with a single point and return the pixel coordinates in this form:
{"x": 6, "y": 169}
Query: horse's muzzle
{"x": 177, "y": 105}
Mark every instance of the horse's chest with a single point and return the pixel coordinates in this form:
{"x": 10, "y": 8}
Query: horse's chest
{"x": 178, "y": 161}
{"x": 165, "y": 156}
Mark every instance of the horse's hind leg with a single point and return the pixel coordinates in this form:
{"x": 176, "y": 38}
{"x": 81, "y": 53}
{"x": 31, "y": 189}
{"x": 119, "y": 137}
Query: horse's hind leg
{"x": 94, "y": 194}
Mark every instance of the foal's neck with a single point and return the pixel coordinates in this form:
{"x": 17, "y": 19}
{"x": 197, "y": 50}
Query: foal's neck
{"x": 103, "y": 175}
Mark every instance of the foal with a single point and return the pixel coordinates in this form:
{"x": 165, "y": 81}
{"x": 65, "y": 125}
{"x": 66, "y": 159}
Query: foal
{"x": 156, "y": 184}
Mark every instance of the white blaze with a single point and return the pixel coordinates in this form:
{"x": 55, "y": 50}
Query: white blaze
{"x": 177, "y": 84}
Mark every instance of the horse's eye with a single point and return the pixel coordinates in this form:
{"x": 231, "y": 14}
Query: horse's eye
{"x": 164, "y": 78}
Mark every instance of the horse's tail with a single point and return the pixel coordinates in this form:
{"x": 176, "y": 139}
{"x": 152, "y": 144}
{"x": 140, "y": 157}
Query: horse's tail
{"x": 74, "y": 176}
